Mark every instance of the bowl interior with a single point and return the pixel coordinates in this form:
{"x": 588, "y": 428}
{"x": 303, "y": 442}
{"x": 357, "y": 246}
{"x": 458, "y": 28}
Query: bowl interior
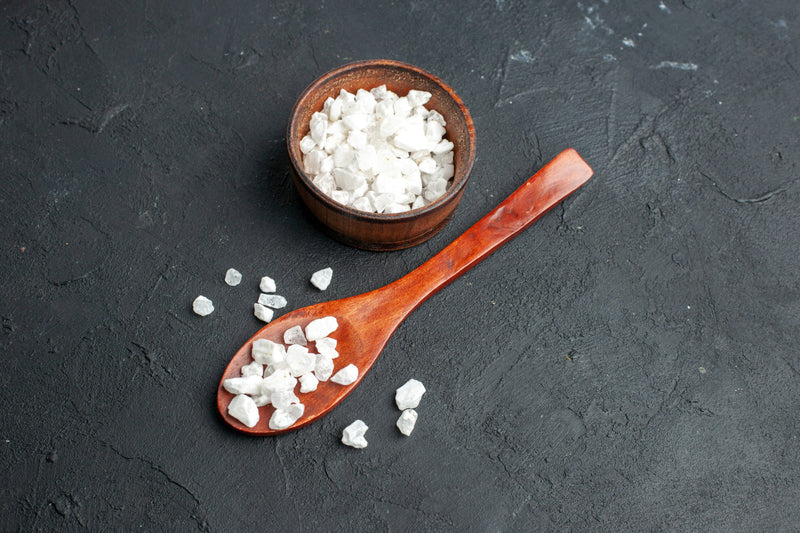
{"x": 400, "y": 78}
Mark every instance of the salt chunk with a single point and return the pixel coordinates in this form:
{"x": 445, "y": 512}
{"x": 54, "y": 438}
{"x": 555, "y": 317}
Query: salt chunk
{"x": 307, "y": 144}
{"x": 284, "y": 418}
{"x": 294, "y": 335}
{"x": 267, "y": 352}
{"x": 410, "y": 141}
{"x": 244, "y": 385}
{"x": 413, "y": 183}
{"x": 347, "y": 179}
{"x": 409, "y": 395}
{"x": 343, "y": 197}
{"x": 318, "y": 127}
{"x": 244, "y": 409}
{"x": 362, "y": 204}
{"x": 435, "y": 116}
{"x": 390, "y": 125}
{"x": 353, "y": 435}
{"x": 335, "y": 110}
{"x": 379, "y": 92}
{"x": 326, "y": 165}
{"x": 366, "y": 100}
{"x": 419, "y": 202}
{"x": 308, "y": 383}
{"x": 325, "y": 183}
{"x": 267, "y": 284}
{"x": 313, "y": 161}
{"x": 327, "y": 346}
{"x": 416, "y": 98}
{"x": 397, "y": 208}
{"x": 202, "y": 306}
{"x": 233, "y": 277}
{"x": 262, "y": 399}
{"x": 366, "y": 157}
{"x": 347, "y": 375}
{"x": 322, "y": 278}
{"x": 356, "y": 121}
{"x": 434, "y": 131}
{"x": 357, "y": 139}
{"x": 407, "y": 421}
{"x": 262, "y": 312}
{"x": 300, "y": 361}
{"x": 277, "y": 381}
{"x": 282, "y": 399}
{"x": 385, "y": 183}
{"x": 272, "y": 300}
{"x": 323, "y": 367}
{"x": 321, "y": 327}
{"x": 428, "y": 165}
{"x": 443, "y": 146}
{"x": 253, "y": 369}
{"x": 435, "y": 190}
{"x": 402, "y": 108}
{"x": 333, "y": 142}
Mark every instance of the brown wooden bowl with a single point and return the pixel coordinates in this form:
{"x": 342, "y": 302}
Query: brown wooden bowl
{"x": 378, "y": 231}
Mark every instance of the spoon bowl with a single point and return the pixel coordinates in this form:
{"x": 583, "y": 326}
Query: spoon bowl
{"x": 366, "y": 321}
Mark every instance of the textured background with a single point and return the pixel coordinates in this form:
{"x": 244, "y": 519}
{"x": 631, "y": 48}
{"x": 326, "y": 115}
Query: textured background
{"x": 630, "y": 361}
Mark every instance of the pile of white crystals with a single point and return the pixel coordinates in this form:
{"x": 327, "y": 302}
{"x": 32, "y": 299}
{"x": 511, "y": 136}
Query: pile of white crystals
{"x": 273, "y": 375}
{"x": 379, "y": 152}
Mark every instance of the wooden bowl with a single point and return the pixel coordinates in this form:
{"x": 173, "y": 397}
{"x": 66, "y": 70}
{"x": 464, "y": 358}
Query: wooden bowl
{"x": 378, "y": 231}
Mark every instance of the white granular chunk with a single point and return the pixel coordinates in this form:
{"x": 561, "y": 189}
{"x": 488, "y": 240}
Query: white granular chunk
{"x": 202, "y": 306}
{"x": 272, "y": 300}
{"x": 244, "y": 385}
{"x": 283, "y": 418}
{"x": 267, "y": 352}
{"x": 327, "y": 346}
{"x": 244, "y": 409}
{"x": 378, "y": 152}
{"x": 321, "y": 328}
{"x": 409, "y": 395}
{"x": 267, "y": 284}
{"x": 295, "y": 335}
{"x": 280, "y": 380}
{"x": 322, "y": 278}
{"x": 233, "y": 277}
{"x": 300, "y": 361}
{"x": 282, "y": 399}
{"x": 308, "y": 383}
{"x": 323, "y": 367}
{"x": 407, "y": 421}
{"x": 353, "y": 435}
{"x": 262, "y": 312}
{"x": 346, "y": 376}
{"x": 253, "y": 369}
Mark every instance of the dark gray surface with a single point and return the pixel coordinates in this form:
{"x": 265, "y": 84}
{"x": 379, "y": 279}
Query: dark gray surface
{"x": 629, "y": 362}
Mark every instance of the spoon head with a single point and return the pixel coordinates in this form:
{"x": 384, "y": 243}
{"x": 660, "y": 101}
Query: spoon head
{"x": 353, "y": 347}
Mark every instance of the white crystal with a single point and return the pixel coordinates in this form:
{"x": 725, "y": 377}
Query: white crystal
{"x": 295, "y": 335}
{"x": 267, "y": 352}
{"x": 353, "y": 435}
{"x": 327, "y": 346}
{"x": 284, "y": 418}
{"x": 262, "y": 399}
{"x": 308, "y": 383}
{"x": 244, "y": 409}
{"x": 407, "y": 421}
{"x": 202, "y": 306}
{"x": 272, "y": 300}
{"x": 409, "y": 395}
{"x": 267, "y": 284}
{"x": 300, "y": 361}
{"x": 253, "y": 369}
{"x": 244, "y": 385}
{"x": 346, "y": 376}
{"x": 282, "y": 399}
{"x": 348, "y": 180}
{"x": 307, "y": 144}
{"x": 323, "y": 367}
{"x": 233, "y": 277}
{"x": 319, "y": 127}
{"x": 321, "y": 327}
{"x": 416, "y": 98}
{"x": 262, "y": 312}
{"x": 442, "y": 147}
{"x": 277, "y": 381}
{"x": 322, "y": 278}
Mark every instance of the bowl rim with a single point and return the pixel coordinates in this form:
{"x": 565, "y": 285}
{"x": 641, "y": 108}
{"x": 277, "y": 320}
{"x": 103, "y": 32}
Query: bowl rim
{"x": 451, "y": 192}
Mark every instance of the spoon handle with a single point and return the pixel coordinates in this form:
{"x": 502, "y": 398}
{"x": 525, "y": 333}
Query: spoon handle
{"x": 543, "y": 191}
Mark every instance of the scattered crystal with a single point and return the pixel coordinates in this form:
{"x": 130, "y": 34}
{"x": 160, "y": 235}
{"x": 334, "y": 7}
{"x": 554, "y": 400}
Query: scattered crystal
{"x": 283, "y": 418}
{"x": 295, "y": 335}
{"x": 202, "y": 306}
{"x": 346, "y": 376}
{"x": 323, "y": 367}
{"x": 321, "y": 328}
{"x": 262, "y": 312}
{"x": 244, "y": 409}
{"x": 300, "y": 361}
{"x": 233, "y": 277}
{"x": 272, "y": 300}
{"x": 353, "y": 435}
{"x": 327, "y": 346}
{"x": 308, "y": 383}
{"x": 407, "y": 421}
{"x": 244, "y": 385}
{"x": 322, "y": 278}
{"x": 409, "y": 395}
{"x": 267, "y": 284}
{"x": 282, "y": 399}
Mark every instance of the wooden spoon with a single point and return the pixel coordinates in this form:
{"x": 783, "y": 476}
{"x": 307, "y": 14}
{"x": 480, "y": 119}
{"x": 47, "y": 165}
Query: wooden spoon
{"x": 368, "y": 320}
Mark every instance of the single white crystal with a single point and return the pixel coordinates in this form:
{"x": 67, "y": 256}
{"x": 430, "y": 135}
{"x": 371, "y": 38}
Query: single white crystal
{"x": 277, "y": 381}
{"x": 318, "y": 127}
{"x": 353, "y": 435}
{"x": 267, "y": 284}
{"x": 407, "y": 421}
{"x": 295, "y": 335}
{"x": 300, "y": 361}
{"x": 202, "y": 306}
{"x": 272, "y": 300}
{"x": 262, "y": 399}
{"x": 282, "y": 399}
{"x": 321, "y": 327}
{"x": 308, "y": 383}
{"x": 327, "y": 346}
{"x": 262, "y": 312}
{"x": 244, "y": 409}
{"x": 233, "y": 277}
{"x": 416, "y": 98}
{"x": 244, "y": 385}
{"x": 323, "y": 367}
{"x": 409, "y": 395}
{"x": 346, "y": 376}
{"x": 322, "y": 278}
{"x": 253, "y": 369}
{"x": 283, "y": 418}
{"x": 267, "y": 352}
